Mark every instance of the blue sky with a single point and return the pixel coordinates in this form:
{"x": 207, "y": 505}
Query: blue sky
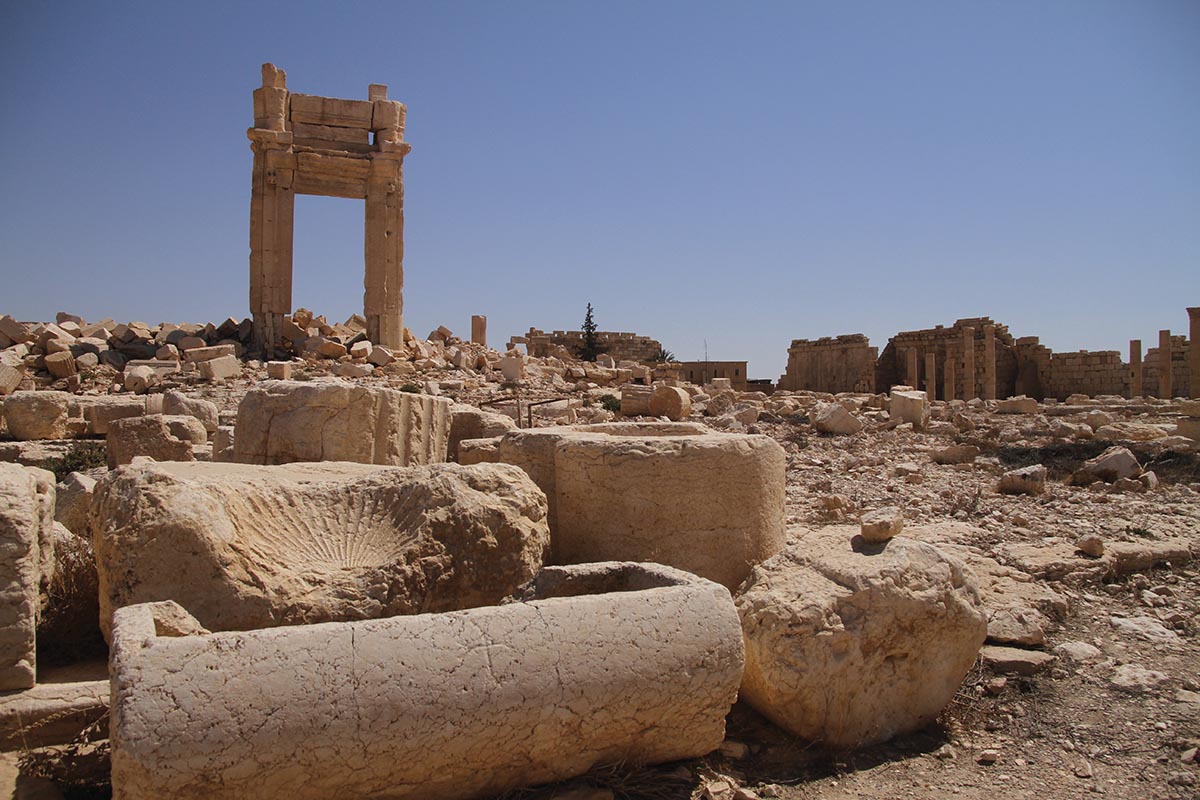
{"x": 742, "y": 174}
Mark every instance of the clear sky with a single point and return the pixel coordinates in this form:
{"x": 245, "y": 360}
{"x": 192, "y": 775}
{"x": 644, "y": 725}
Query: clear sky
{"x": 741, "y": 173}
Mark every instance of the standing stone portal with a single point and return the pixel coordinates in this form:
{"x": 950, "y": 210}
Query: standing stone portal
{"x": 305, "y": 144}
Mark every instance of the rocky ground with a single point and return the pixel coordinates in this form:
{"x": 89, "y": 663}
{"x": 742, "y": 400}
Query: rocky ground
{"x": 1099, "y": 692}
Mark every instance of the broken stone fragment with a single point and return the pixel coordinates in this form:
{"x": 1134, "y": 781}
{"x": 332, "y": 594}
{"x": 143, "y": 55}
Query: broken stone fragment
{"x": 671, "y": 402}
{"x": 156, "y": 436}
{"x": 1029, "y": 480}
{"x": 37, "y": 415}
{"x": 1110, "y": 466}
{"x": 881, "y": 524}
{"x": 835, "y": 419}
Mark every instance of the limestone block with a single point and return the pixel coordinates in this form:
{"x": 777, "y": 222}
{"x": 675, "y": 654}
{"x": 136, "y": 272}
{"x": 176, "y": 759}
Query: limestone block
{"x": 910, "y": 406}
{"x": 279, "y": 370}
{"x": 284, "y": 421}
{"x": 1130, "y": 432}
{"x": 19, "y": 332}
{"x": 1184, "y": 426}
{"x": 1026, "y": 480}
{"x": 198, "y": 354}
{"x": 157, "y": 436}
{"x": 177, "y": 403}
{"x": 671, "y": 402}
{"x": 468, "y": 422}
{"x": 106, "y": 410}
{"x": 672, "y": 493}
{"x": 381, "y": 356}
{"x": 835, "y": 419}
{"x": 349, "y": 370}
{"x": 220, "y": 368}
{"x": 139, "y": 378}
{"x": 851, "y": 647}
{"x": 37, "y": 415}
{"x": 10, "y": 378}
{"x": 61, "y": 364}
{"x": 635, "y": 400}
{"x": 490, "y": 699}
{"x": 72, "y": 500}
{"x": 1017, "y": 405}
{"x": 881, "y": 524}
{"x": 26, "y": 528}
{"x": 222, "y": 444}
{"x": 317, "y": 110}
{"x": 1112, "y": 465}
{"x": 253, "y": 547}
{"x": 956, "y": 454}
{"x": 360, "y": 350}
{"x": 513, "y": 368}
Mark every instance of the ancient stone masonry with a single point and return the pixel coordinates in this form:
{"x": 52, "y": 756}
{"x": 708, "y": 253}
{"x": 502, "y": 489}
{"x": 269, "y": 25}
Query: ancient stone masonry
{"x": 981, "y": 359}
{"x": 844, "y": 364}
{"x": 621, "y": 346}
{"x": 305, "y": 144}
{"x": 702, "y": 372}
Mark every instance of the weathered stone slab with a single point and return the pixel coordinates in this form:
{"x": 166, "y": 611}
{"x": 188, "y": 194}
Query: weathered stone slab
{"x": 252, "y": 547}
{"x": 491, "y": 699}
{"x": 64, "y": 702}
{"x": 34, "y": 415}
{"x": 26, "y": 545}
{"x": 284, "y": 421}
{"x": 157, "y": 436}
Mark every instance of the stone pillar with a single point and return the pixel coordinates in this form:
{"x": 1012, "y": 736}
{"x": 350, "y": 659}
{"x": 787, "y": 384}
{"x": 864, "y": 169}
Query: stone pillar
{"x": 1194, "y": 352}
{"x": 1166, "y": 388}
{"x": 931, "y": 375}
{"x": 479, "y": 330}
{"x": 1135, "y": 368}
{"x": 948, "y": 378}
{"x": 911, "y": 355}
{"x": 968, "y": 334}
{"x": 989, "y": 362}
{"x": 272, "y": 210}
{"x": 383, "y": 300}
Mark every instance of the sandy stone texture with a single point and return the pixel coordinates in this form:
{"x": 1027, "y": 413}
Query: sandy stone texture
{"x": 37, "y": 415}
{"x": 247, "y": 547}
{"x": 850, "y": 644}
{"x": 284, "y": 421}
{"x": 26, "y": 530}
{"x": 709, "y": 503}
{"x": 630, "y": 663}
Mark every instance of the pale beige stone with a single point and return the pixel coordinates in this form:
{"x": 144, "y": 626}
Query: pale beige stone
{"x": 1017, "y": 405}
{"x": 881, "y": 524}
{"x": 672, "y": 493}
{"x": 490, "y": 699}
{"x": 26, "y": 528}
{"x": 834, "y": 419}
{"x": 37, "y": 415}
{"x": 251, "y": 547}
{"x": 200, "y": 354}
{"x": 279, "y": 370}
{"x": 61, "y": 364}
{"x": 156, "y": 436}
{"x": 105, "y": 410}
{"x": 284, "y": 421}
{"x": 139, "y": 378}
{"x": 1112, "y": 465}
{"x": 469, "y": 422}
{"x": 176, "y": 403}
{"x": 671, "y": 402}
{"x": 10, "y": 378}
{"x": 220, "y": 368}
{"x": 1026, "y": 480}
{"x": 909, "y": 406}
{"x": 851, "y": 648}
{"x": 72, "y": 500}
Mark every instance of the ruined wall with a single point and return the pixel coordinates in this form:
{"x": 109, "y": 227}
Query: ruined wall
{"x": 842, "y": 364}
{"x": 893, "y": 365}
{"x": 1181, "y": 385}
{"x": 701, "y": 372}
{"x": 1087, "y": 373}
{"x": 621, "y": 346}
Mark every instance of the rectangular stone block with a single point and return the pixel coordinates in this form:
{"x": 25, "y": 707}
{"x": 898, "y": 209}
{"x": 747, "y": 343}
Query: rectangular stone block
{"x": 198, "y": 354}
{"x": 331, "y": 133}
{"x": 331, "y": 111}
{"x": 279, "y": 370}
{"x": 220, "y": 368}
{"x": 26, "y": 521}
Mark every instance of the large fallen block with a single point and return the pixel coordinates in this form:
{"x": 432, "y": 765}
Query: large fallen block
{"x": 279, "y": 422}
{"x": 671, "y": 493}
{"x": 618, "y": 662}
{"x": 26, "y": 552}
{"x": 850, "y": 644}
{"x": 38, "y": 415}
{"x": 247, "y": 547}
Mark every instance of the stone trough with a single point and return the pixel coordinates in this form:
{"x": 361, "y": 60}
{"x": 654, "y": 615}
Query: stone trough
{"x": 601, "y": 663}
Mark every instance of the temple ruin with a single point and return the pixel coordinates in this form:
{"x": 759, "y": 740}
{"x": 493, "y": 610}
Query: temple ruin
{"x": 305, "y": 144}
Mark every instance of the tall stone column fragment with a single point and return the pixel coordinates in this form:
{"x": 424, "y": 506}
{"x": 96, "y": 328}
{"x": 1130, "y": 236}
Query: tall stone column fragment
{"x": 931, "y": 386}
{"x": 1194, "y": 352}
{"x": 479, "y": 330}
{"x": 1135, "y": 368}
{"x": 949, "y": 377}
{"x": 989, "y": 362}
{"x": 600, "y": 664}
{"x": 1166, "y": 387}
{"x": 911, "y": 372}
{"x": 26, "y": 553}
{"x": 969, "y": 382}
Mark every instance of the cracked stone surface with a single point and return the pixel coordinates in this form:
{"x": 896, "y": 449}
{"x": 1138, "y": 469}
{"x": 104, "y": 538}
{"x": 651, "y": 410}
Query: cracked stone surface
{"x": 279, "y": 422}
{"x": 709, "y": 503}
{"x": 245, "y": 547}
{"x": 462, "y": 704}
{"x": 26, "y": 543}
{"x": 849, "y": 643}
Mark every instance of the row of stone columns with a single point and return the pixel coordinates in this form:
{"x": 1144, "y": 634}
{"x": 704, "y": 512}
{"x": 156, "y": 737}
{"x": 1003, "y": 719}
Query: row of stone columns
{"x": 1166, "y": 380}
{"x": 950, "y": 367}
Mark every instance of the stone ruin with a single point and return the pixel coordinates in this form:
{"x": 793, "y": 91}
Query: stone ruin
{"x": 980, "y": 358}
{"x": 306, "y": 144}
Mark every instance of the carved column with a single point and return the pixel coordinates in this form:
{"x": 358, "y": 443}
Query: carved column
{"x": 948, "y": 377}
{"x": 989, "y": 362}
{"x": 911, "y": 357}
{"x": 271, "y": 209}
{"x": 1166, "y": 387}
{"x": 1194, "y": 352}
{"x": 383, "y": 301}
{"x": 479, "y": 330}
{"x": 968, "y": 334}
{"x": 1135, "y": 368}
{"x": 931, "y": 375}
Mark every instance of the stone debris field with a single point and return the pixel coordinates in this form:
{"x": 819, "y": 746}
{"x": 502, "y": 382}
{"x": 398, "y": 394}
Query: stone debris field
{"x": 287, "y": 558}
